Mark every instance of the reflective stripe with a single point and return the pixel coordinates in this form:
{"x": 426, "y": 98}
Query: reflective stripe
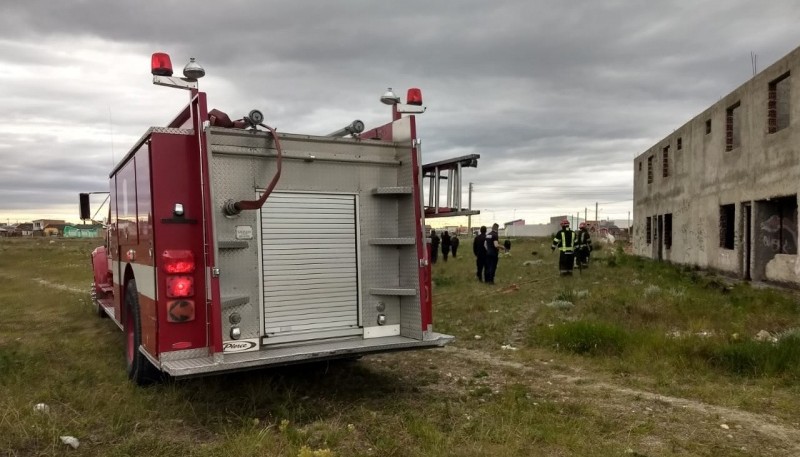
{"x": 564, "y": 247}
{"x": 145, "y": 276}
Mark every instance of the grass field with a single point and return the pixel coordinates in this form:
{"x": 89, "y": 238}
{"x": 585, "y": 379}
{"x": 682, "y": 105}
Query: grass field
{"x": 629, "y": 357}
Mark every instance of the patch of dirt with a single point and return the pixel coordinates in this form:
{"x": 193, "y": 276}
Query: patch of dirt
{"x": 46, "y": 283}
{"x": 57, "y": 286}
{"x": 679, "y": 419}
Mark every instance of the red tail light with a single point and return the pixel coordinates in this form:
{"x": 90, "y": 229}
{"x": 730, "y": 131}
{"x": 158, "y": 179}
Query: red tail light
{"x": 160, "y": 64}
{"x": 180, "y": 286}
{"x": 178, "y": 261}
{"x": 414, "y": 96}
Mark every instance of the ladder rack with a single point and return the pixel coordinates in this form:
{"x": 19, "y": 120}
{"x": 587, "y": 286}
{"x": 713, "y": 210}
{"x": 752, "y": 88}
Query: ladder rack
{"x": 448, "y": 171}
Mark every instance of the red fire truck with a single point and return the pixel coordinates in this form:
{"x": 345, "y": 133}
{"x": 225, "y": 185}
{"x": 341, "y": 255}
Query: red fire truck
{"x": 232, "y": 246}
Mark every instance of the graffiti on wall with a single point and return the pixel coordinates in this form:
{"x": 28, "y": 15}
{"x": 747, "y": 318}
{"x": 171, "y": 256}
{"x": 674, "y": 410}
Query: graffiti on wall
{"x": 779, "y": 235}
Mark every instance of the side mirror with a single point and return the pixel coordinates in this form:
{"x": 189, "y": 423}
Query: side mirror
{"x": 86, "y": 212}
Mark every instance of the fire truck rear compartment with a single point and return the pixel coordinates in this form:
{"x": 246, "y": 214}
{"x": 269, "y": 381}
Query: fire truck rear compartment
{"x": 332, "y": 249}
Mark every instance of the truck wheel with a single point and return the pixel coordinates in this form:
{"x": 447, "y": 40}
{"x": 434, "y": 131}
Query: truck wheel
{"x": 139, "y": 368}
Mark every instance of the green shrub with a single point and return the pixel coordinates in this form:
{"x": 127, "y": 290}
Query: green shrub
{"x": 757, "y": 358}
{"x": 566, "y": 295}
{"x": 582, "y": 337}
{"x": 443, "y": 280}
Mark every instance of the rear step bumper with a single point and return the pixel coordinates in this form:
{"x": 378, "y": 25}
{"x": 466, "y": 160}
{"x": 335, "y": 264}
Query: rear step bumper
{"x": 273, "y": 356}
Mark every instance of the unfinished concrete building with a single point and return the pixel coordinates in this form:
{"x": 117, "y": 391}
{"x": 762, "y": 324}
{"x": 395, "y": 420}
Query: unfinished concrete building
{"x": 721, "y": 191}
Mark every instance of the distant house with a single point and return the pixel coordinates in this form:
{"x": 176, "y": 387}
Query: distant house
{"x": 53, "y": 229}
{"x": 515, "y": 223}
{"x": 83, "y": 231}
{"x": 40, "y": 224}
{"x": 25, "y": 229}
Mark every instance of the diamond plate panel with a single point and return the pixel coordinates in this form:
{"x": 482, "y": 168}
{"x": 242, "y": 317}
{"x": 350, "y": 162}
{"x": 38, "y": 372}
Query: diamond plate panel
{"x": 243, "y": 162}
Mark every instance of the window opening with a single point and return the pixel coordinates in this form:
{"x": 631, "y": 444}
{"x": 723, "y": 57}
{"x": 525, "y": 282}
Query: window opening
{"x": 726, "y": 225}
{"x": 733, "y": 127}
{"x": 778, "y": 104}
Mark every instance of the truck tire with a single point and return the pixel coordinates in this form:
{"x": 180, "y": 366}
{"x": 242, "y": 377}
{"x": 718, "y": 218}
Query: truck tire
{"x": 139, "y": 368}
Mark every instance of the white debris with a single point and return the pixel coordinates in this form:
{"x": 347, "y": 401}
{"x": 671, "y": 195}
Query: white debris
{"x": 560, "y": 304}
{"x": 41, "y": 408}
{"x": 724, "y": 426}
{"x": 508, "y": 347}
{"x": 70, "y": 441}
{"x": 494, "y": 310}
{"x": 582, "y": 293}
{"x": 765, "y": 336}
{"x": 477, "y": 337}
{"x": 651, "y": 290}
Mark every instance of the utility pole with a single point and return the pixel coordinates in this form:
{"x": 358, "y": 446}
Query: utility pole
{"x": 469, "y": 207}
{"x": 596, "y": 221}
{"x": 585, "y": 214}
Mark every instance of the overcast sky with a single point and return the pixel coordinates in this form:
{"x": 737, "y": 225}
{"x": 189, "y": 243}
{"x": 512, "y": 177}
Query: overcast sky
{"x": 557, "y": 97}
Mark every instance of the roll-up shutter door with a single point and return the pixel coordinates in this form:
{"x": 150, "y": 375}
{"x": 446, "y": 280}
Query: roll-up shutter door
{"x": 310, "y": 270}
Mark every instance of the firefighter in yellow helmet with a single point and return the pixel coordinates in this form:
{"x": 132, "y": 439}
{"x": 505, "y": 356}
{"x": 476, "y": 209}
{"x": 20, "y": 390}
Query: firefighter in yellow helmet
{"x": 565, "y": 242}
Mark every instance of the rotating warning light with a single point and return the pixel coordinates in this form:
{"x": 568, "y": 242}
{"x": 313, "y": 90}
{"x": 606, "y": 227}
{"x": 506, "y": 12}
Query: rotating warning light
{"x": 414, "y": 96}
{"x": 160, "y": 64}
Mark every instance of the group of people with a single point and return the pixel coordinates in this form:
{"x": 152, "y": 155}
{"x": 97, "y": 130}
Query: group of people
{"x": 573, "y": 247}
{"x": 486, "y": 248}
{"x": 449, "y": 244}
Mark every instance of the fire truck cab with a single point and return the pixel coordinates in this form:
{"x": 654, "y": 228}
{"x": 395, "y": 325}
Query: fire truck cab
{"x": 232, "y": 246}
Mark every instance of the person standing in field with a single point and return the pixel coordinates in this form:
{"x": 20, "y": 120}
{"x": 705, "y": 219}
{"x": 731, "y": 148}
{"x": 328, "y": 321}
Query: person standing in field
{"x": 454, "y": 242}
{"x": 583, "y": 246}
{"x": 445, "y": 245}
{"x": 493, "y": 247}
{"x": 507, "y": 245}
{"x": 434, "y": 246}
{"x": 480, "y": 253}
{"x": 565, "y": 242}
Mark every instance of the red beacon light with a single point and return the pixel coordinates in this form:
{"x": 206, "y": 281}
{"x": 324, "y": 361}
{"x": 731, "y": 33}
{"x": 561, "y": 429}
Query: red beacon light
{"x": 160, "y": 64}
{"x": 161, "y": 68}
{"x": 414, "y": 97}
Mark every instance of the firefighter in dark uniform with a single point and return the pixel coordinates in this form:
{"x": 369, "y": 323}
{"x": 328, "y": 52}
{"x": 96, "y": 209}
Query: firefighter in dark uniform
{"x": 565, "y": 242}
{"x": 434, "y": 246}
{"x": 480, "y": 252}
{"x": 583, "y": 246}
{"x": 492, "y": 254}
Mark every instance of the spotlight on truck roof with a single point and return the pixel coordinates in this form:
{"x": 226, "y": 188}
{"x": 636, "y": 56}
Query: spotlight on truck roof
{"x": 193, "y": 70}
{"x": 254, "y": 118}
{"x": 389, "y": 97}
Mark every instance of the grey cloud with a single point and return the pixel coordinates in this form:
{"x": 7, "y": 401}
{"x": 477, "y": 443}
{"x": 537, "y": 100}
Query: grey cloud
{"x": 551, "y": 95}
